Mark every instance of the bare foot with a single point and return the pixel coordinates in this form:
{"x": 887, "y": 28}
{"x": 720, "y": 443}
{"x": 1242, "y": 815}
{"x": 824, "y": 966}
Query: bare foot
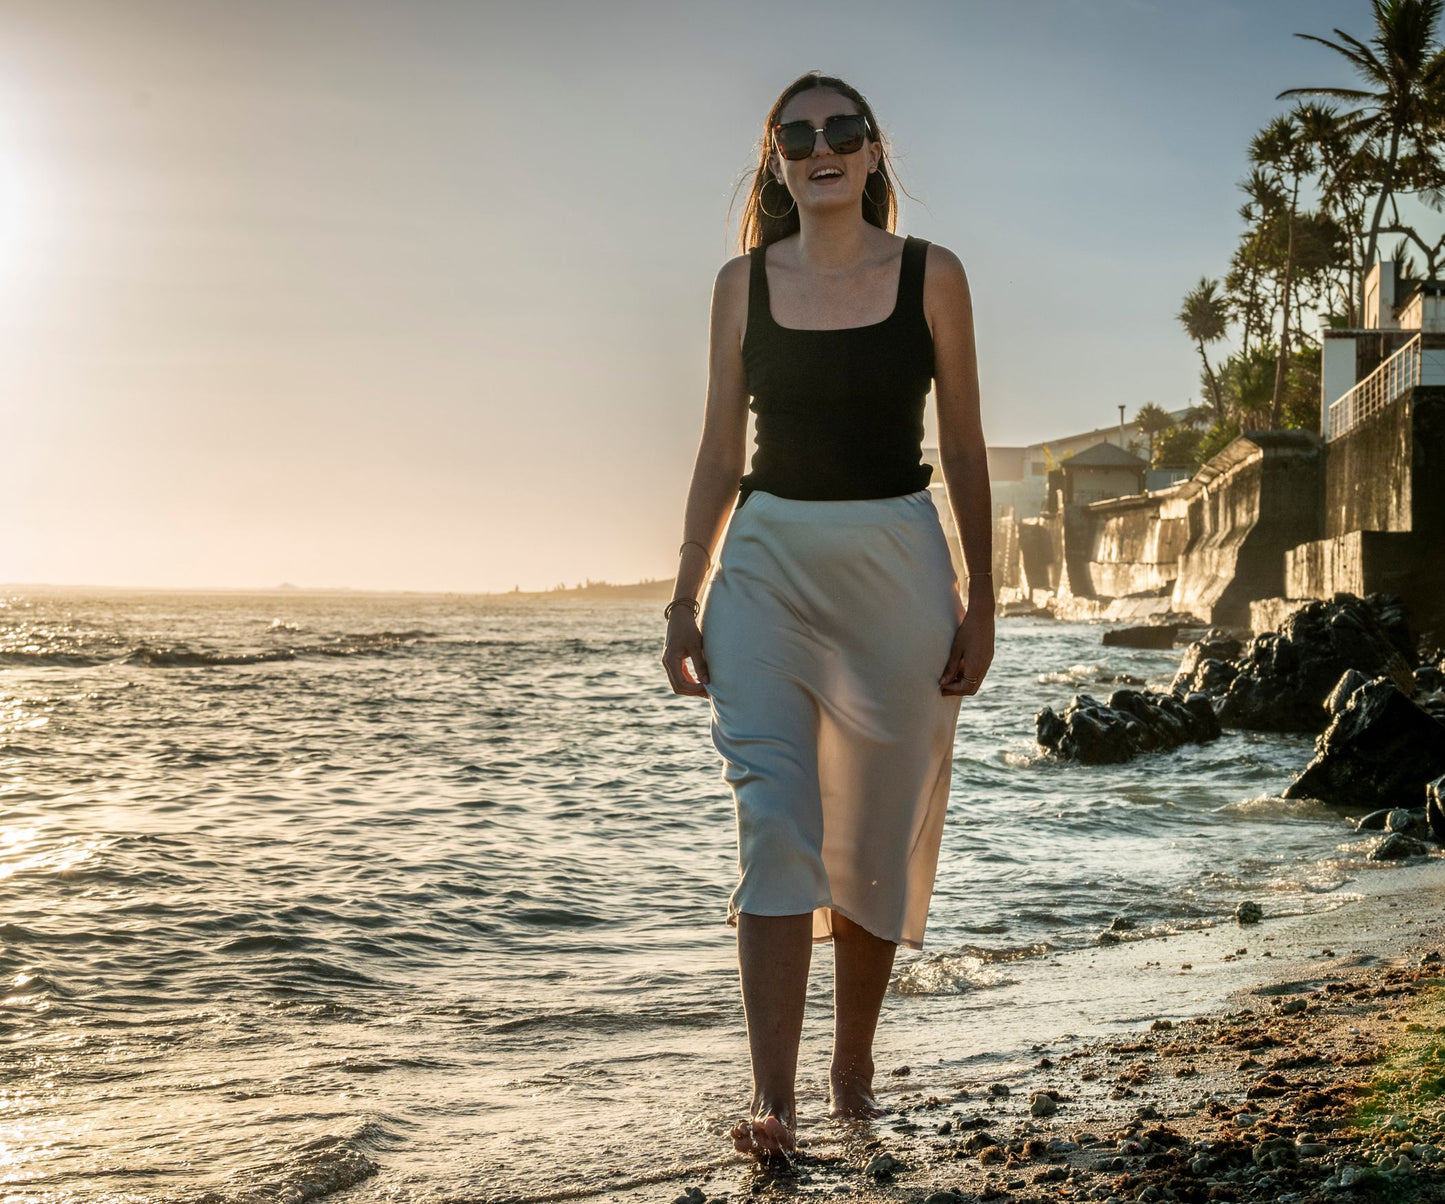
{"x": 850, "y": 1095}
{"x": 767, "y": 1135}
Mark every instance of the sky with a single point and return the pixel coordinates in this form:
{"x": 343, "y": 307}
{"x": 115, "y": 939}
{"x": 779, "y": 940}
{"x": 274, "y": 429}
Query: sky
{"x": 413, "y": 294}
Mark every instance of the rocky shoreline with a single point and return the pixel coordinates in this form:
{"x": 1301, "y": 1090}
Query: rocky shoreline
{"x": 1298, "y": 1060}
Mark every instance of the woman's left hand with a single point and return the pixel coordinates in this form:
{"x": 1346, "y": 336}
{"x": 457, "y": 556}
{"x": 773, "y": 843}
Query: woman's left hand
{"x": 971, "y": 654}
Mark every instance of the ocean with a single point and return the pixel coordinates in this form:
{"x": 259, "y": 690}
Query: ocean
{"x": 421, "y": 897}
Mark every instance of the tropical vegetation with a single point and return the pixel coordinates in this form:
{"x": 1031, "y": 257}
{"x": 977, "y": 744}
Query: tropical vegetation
{"x": 1330, "y": 179}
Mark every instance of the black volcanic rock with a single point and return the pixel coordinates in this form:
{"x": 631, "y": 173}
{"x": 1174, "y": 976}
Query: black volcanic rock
{"x": 1282, "y": 680}
{"x": 1131, "y": 722}
{"x": 1435, "y": 807}
{"x": 1380, "y": 750}
{"x": 1153, "y": 635}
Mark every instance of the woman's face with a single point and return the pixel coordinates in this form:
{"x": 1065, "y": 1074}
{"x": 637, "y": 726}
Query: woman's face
{"x": 826, "y": 179}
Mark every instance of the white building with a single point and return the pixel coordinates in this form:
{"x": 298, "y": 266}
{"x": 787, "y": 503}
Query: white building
{"x": 1401, "y": 345}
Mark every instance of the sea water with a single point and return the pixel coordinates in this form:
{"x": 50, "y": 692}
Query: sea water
{"x": 418, "y": 896}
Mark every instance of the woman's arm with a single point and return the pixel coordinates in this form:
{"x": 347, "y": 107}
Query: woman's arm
{"x": 963, "y": 456}
{"x": 721, "y": 456}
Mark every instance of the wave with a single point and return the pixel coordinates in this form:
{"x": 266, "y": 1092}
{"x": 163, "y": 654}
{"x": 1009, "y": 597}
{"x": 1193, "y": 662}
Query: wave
{"x": 959, "y": 971}
{"x": 182, "y": 656}
{"x": 318, "y": 1169}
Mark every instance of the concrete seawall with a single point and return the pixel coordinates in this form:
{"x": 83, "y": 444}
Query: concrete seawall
{"x": 1276, "y": 517}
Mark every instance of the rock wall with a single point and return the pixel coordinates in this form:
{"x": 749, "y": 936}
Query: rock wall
{"x": 1386, "y": 474}
{"x": 1275, "y": 516}
{"x": 1247, "y": 507}
{"x": 1135, "y": 544}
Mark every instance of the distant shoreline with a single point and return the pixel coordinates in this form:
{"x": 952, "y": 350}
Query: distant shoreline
{"x": 649, "y": 589}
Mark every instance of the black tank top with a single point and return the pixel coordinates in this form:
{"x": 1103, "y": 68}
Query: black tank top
{"x": 839, "y": 412}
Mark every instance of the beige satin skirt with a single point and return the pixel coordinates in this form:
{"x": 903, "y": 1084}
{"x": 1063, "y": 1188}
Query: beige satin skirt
{"x": 826, "y": 627}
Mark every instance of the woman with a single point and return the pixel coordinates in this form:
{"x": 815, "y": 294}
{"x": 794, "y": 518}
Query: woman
{"x": 834, "y": 643}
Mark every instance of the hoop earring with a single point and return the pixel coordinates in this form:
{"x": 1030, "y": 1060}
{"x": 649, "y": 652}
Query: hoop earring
{"x": 878, "y": 173}
{"x": 785, "y": 212}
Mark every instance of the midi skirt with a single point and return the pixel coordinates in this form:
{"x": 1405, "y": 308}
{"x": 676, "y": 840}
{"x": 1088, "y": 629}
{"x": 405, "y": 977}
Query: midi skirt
{"x": 826, "y": 626}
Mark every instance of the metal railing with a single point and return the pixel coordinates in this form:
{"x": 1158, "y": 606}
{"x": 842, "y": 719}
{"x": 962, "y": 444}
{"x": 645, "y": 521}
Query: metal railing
{"x": 1387, "y": 382}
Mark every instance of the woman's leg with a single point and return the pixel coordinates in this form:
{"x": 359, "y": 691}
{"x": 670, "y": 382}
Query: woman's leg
{"x": 862, "y": 964}
{"x": 773, "y": 956}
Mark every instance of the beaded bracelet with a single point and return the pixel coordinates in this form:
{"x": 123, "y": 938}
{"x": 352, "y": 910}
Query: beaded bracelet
{"x": 693, "y": 602}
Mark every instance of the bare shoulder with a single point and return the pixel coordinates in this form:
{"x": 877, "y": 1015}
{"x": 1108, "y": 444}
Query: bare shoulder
{"x": 946, "y": 299}
{"x": 943, "y": 271}
{"x": 730, "y": 297}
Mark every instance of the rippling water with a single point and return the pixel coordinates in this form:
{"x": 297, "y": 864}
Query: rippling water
{"x": 424, "y": 894}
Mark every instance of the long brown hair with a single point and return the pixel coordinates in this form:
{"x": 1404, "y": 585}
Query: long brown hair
{"x": 880, "y": 202}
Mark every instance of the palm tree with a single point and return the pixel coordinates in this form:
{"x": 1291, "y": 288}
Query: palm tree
{"x": 1403, "y": 68}
{"x": 1204, "y": 316}
{"x": 1283, "y": 149}
{"x": 1151, "y": 419}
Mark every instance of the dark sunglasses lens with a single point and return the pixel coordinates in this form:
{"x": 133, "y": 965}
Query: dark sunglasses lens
{"x": 795, "y": 139}
{"x": 845, "y": 133}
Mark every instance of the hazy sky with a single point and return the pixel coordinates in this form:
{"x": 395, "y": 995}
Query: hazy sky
{"x": 413, "y": 294}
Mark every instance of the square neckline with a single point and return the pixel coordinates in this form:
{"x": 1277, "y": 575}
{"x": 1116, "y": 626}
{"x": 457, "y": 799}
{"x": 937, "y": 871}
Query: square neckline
{"x": 893, "y": 313}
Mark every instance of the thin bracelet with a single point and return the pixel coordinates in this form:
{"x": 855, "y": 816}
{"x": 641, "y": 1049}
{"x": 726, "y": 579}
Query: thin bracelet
{"x": 695, "y": 544}
{"x": 971, "y": 575}
{"x": 693, "y": 602}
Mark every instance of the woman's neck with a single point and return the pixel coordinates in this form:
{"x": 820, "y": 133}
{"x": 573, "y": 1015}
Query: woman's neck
{"x": 832, "y": 242}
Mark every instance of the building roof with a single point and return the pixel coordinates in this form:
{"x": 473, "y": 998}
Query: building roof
{"x": 1104, "y": 455}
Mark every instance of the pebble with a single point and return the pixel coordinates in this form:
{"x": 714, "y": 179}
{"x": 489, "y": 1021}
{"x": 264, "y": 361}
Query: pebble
{"x": 693, "y": 1195}
{"x": 1043, "y": 1104}
{"x": 883, "y": 1167}
{"x": 1249, "y": 912}
{"x": 997, "y": 1091}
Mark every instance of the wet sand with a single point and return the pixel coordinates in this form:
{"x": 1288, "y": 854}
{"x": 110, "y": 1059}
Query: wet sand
{"x": 1241, "y": 1072}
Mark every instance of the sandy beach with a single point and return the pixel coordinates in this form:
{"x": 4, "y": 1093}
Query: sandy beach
{"x": 1298, "y": 1058}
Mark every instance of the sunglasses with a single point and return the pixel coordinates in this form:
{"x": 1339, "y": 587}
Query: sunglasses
{"x": 843, "y": 132}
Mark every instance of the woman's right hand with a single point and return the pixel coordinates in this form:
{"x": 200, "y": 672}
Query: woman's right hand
{"x": 684, "y": 643}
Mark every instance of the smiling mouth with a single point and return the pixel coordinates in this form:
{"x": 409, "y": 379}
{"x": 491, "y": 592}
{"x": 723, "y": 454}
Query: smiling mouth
{"x": 827, "y": 173}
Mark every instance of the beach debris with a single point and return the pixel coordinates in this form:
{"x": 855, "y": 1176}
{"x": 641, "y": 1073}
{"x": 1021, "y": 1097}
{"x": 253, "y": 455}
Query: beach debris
{"x": 1160, "y": 1026}
{"x": 1130, "y": 722}
{"x": 945, "y": 1197}
{"x": 1280, "y": 681}
{"x": 991, "y": 1154}
{"x": 1108, "y": 937}
{"x": 693, "y": 1195}
{"x": 1153, "y": 635}
{"x": 901, "y": 1072}
{"x": 1248, "y": 912}
{"x": 1381, "y": 748}
{"x": 998, "y": 1091}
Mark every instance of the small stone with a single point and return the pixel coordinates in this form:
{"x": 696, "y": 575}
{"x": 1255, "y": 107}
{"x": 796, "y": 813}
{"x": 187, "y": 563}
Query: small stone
{"x": 1396, "y": 846}
{"x": 1290, "y": 1006}
{"x": 901, "y": 1072}
{"x": 1043, "y": 1104}
{"x": 997, "y": 1091}
{"x": 991, "y": 1154}
{"x": 1160, "y": 1026}
{"x": 1249, "y": 912}
{"x": 1398, "y": 819}
{"x": 945, "y": 1128}
{"x": 944, "y": 1197}
{"x": 693, "y": 1195}
{"x": 882, "y": 1167}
